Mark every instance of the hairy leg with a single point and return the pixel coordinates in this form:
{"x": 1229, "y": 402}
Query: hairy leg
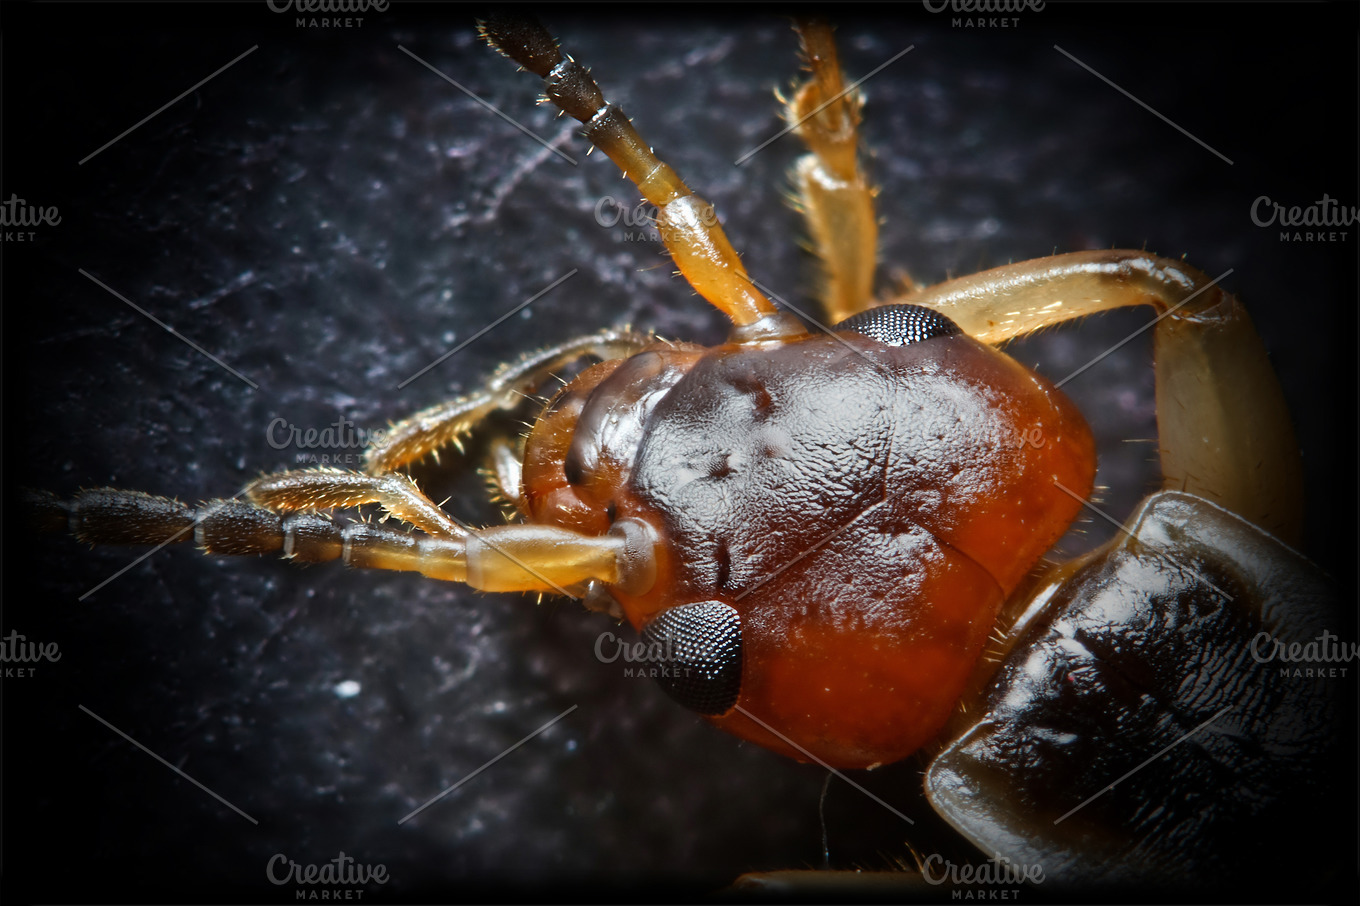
{"x": 414, "y": 438}
{"x": 1224, "y": 429}
{"x": 833, "y": 193}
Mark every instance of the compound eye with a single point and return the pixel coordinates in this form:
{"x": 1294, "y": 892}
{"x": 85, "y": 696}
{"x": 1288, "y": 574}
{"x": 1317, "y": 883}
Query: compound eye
{"x": 900, "y": 325}
{"x": 700, "y": 647}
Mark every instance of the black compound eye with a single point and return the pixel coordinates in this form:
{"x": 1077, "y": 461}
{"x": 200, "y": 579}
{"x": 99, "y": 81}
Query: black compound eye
{"x": 700, "y": 647}
{"x": 900, "y": 325}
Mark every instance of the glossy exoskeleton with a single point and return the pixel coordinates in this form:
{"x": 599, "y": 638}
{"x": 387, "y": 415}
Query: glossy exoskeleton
{"x": 820, "y": 528}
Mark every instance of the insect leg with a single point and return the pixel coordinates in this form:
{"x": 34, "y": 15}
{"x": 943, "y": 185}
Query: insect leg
{"x": 1224, "y": 429}
{"x": 506, "y": 473}
{"x": 115, "y": 516}
{"x": 323, "y": 489}
{"x": 833, "y": 193}
{"x": 427, "y": 431}
{"x": 503, "y": 558}
{"x": 686, "y": 222}
{"x": 1010, "y": 301}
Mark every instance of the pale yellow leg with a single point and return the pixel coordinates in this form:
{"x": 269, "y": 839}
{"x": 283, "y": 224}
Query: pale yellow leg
{"x": 533, "y": 558}
{"x": 536, "y": 558}
{"x": 1224, "y": 430}
{"x": 833, "y": 193}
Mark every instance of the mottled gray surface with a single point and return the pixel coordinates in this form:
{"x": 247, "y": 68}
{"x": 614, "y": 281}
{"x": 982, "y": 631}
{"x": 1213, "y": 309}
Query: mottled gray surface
{"x": 328, "y": 217}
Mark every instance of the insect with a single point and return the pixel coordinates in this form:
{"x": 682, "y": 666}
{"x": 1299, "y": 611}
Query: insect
{"x": 313, "y": 573}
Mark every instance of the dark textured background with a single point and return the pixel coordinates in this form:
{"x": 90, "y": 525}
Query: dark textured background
{"x": 328, "y": 217}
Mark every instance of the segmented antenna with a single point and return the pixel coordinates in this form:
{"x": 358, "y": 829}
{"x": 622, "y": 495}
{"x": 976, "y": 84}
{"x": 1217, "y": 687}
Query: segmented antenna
{"x": 686, "y": 222}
